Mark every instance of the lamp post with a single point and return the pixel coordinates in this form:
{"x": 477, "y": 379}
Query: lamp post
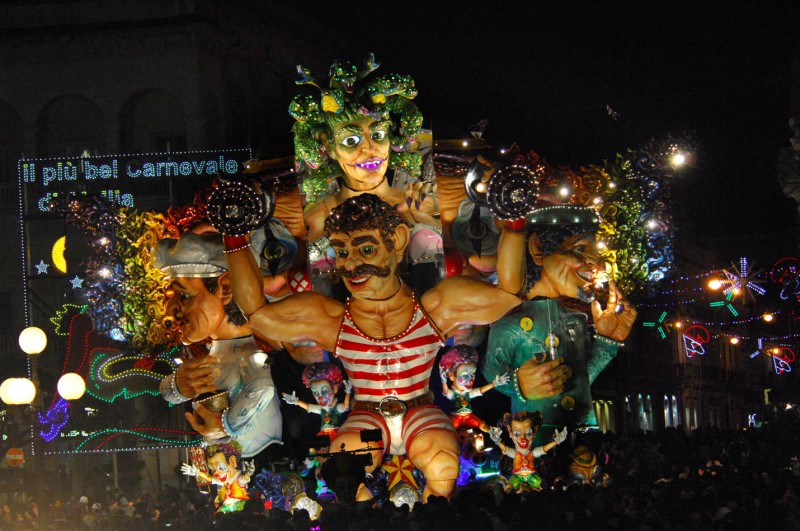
{"x": 21, "y": 391}
{"x": 33, "y": 341}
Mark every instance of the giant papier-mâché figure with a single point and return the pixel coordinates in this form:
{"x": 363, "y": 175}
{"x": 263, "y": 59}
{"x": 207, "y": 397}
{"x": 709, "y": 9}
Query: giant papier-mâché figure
{"x": 548, "y": 348}
{"x": 385, "y": 335}
{"x": 353, "y": 129}
{"x": 200, "y": 307}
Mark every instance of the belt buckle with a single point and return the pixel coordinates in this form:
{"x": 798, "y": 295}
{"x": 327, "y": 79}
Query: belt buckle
{"x": 391, "y": 406}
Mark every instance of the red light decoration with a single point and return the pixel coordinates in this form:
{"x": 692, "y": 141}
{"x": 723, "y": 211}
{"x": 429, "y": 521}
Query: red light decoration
{"x": 693, "y": 340}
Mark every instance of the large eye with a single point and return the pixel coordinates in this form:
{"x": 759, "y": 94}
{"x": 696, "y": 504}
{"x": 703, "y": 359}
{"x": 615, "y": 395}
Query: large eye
{"x": 528, "y": 433}
{"x": 351, "y": 141}
{"x": 477, "y": 230}
{"x": 367, "y": 250}
{"x": 377, "y": 136}
{"x": 274, "y": 251}
{"x": 517, "y": 434}
{"x": 341, "y": 253}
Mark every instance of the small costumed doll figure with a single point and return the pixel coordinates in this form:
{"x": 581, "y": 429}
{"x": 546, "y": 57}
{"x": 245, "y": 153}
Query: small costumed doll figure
{"x": 232, "y": 482}
{"x": 523, "y": 426}
{"x": 459, "y": 365}
{"x": 324, "y": 380}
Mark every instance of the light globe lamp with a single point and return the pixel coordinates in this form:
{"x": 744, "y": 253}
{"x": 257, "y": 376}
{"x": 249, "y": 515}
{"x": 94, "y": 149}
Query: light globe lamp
{"x": 32, "y": 340}
{"x": 17, "y": 391}
{"x": 71, "y": 386}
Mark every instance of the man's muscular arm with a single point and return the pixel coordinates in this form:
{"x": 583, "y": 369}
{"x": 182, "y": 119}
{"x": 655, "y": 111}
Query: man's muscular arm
{"x": 248, "y": 285}
{"x": 460, "y": 300}
{"x": 300, "y": 318}
{"x": 511, "y": 256}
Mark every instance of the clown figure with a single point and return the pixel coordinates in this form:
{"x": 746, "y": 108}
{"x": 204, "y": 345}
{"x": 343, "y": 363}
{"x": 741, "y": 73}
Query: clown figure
{"x": 232, "y": 482}
{"x": 522, "y": 427}
{"x": 459, "y": 365}
{"x": 324, "y": 380}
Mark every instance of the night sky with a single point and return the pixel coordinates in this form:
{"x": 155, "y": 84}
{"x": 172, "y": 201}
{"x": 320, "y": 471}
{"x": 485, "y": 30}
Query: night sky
{"x": 543, "y": 77}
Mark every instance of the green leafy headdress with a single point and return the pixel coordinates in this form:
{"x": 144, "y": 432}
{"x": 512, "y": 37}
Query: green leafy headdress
{"x": 350, "y": 94}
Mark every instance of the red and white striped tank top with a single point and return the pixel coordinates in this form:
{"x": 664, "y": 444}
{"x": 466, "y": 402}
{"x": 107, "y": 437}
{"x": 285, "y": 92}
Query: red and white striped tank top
{"x": 399, "y": 366}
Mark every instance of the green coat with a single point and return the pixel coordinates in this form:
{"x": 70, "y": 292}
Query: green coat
{"x": 510, "y": 345}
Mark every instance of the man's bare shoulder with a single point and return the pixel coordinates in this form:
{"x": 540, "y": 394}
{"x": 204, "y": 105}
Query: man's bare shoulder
{"x": 450, "y": 288}
{"x": 308, "y": 302}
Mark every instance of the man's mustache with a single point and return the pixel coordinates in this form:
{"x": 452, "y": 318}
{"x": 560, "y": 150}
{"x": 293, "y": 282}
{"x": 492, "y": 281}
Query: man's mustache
{"x": 362, "y": 270}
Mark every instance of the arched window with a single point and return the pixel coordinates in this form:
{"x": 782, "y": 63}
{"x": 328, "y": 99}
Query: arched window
{"x": 152, "y": 121}
{"x": 70, "y": 125}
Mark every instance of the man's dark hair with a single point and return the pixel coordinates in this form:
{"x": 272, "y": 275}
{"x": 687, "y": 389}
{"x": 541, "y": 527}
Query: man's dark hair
{"x": 550, "y": 238}
{"x": 365, "y": 212}
{"x": 235, "y": 315}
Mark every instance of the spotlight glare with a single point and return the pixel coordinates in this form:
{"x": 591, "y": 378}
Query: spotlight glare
{"x": 714, "y": 284}
{"x": 678, "y": 160}
{"x": 734, "y": 341}
{"x": 768, "y": 317}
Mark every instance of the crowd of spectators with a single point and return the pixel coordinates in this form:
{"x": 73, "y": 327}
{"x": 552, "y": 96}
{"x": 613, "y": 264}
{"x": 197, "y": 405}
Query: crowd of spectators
{"x": 669, "y": 480}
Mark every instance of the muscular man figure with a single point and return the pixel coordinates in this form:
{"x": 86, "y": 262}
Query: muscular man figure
{"x": 385, "y": 336}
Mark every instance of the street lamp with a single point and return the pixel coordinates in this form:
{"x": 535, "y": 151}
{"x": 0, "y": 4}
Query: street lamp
{"x": 17, "y": 391}
{"x": 24, "y": 391}
{"x": 32, "y": 340}
{"x": 71, "y": 386}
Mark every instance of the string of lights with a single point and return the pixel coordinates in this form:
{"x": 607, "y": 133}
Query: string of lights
{"x": 138, "y": 433}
